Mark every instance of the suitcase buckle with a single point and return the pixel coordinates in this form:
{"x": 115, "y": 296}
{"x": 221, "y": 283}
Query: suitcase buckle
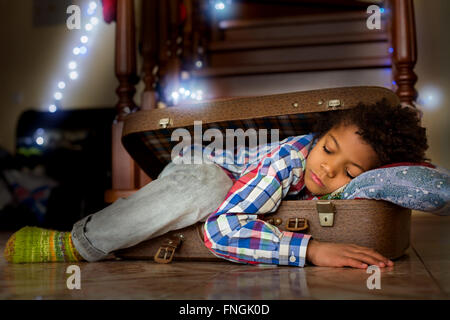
{"x": 296, "y": 224}
{"x": 165, "y": 252}
{"x": 326, "y": 212}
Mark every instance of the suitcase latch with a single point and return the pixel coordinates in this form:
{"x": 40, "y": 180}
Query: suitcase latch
{"x": 165, "y": 122}
{"x": 297, "y": 224}
{"x": 326, "y": 212}
{"x": 334, "y": 104}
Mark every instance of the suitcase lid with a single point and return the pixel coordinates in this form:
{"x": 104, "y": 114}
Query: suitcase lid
{"x": 147, "y": 133}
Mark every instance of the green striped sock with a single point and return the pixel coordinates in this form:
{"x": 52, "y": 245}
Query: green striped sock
{"x": 33, "y": 244}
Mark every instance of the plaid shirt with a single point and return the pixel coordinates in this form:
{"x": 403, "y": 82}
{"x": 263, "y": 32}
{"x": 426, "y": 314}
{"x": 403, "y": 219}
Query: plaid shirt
{"x": 263, "y": 178}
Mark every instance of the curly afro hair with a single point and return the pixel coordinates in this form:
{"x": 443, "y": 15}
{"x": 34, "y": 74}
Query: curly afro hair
{"x": 394, "y": 133}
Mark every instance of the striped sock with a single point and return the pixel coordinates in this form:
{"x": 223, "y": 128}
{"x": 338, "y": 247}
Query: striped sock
{"x": 33, "y": 244}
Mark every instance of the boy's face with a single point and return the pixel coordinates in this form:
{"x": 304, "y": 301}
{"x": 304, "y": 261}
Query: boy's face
{"x": 339, "y": 156}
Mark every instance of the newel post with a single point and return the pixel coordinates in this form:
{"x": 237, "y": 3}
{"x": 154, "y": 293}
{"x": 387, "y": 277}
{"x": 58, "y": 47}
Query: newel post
{"x": 405, "y": 49}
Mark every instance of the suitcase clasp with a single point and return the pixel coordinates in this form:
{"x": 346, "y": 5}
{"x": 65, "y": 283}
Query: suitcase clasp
{"x": 326, "y": 212}
{"x": 334, "y": 104}
{"x": 165, "y": 122}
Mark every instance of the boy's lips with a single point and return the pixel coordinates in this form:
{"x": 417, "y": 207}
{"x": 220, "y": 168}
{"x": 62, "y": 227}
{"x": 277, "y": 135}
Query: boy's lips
{"x": 316, "y": 179}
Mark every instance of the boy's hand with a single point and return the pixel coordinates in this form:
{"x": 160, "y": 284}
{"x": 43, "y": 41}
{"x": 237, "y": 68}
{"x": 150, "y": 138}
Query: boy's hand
{"x": 327, "y": 254}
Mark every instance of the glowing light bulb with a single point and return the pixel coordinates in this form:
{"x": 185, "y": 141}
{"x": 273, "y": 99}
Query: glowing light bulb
{"x": 40, "y": 140}
{"x": 219, "y": 6}
{"x": 181, "y": 90}
{"x": 83, "y": 50}
{"x": 72, "y": 65}
{"x": 175, "y": 95}
{"x": 92, "y": 5}
{"x": 94, "y": 21}
{"x": 61, "y": 84}
{"x": 88, "y": 27}
{"x": 52, "y": 108}
{"x": 73, "y": 75}
{"x": 198, "y": 64}
{"x": 76, "y": 51}
{"x": 84, "y": 39}
{"x": 58, "y": 95}
{"x": 430, "y": 97}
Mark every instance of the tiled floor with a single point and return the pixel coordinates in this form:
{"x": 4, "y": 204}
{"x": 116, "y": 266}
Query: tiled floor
{"x": 423, "y": 273}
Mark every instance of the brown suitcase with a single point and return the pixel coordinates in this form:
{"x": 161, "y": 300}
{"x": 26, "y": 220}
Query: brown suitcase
{"x": 380, "y": 225}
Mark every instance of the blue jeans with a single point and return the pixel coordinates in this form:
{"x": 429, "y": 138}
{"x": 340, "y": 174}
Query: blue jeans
{"x": 182, "y": 195}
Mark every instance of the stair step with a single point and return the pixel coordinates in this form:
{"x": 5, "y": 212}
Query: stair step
{"x": 308, "y": 54}
{"x": 303, "y": 66}
{"x": 298, "y": 41}
{"x": 290, "y": 27}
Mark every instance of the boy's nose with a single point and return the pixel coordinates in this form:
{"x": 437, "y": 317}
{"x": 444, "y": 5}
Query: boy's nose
{"x": 328, "y": 170}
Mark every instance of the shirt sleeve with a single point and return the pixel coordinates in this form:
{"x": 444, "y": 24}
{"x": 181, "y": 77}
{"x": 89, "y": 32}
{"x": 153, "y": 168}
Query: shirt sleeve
{"x": 234, "y": 231}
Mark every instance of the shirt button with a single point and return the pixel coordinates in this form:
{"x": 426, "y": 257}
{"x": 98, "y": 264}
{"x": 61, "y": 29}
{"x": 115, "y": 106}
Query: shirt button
{"x": 292, "y": 259}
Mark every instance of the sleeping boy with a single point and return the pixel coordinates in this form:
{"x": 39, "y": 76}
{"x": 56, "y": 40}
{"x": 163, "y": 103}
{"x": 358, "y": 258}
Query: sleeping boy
{"x": 343, "y": 145}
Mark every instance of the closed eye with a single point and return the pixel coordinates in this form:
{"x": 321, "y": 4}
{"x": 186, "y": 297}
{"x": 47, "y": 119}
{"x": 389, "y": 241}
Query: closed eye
{"x": 328, "y": 151}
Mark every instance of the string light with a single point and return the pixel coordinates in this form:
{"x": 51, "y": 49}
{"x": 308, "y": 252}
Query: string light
{"x": 73, "y": 75}
{"x": 40, "y": 140}
{"x": 58, "y": 95}
{"x": 73, "y": 64}
{"x": 94, "y": 21}
{"x": 52, "y": 108}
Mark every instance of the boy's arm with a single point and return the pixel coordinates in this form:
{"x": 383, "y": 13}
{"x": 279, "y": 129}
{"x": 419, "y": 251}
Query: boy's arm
{"x": 234, "y": 231}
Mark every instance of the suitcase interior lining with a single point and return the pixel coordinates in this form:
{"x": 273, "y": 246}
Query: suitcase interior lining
{"x": 152, "y": 149}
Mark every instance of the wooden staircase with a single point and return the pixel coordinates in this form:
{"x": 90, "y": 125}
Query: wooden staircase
{"x": 330, "y": 43}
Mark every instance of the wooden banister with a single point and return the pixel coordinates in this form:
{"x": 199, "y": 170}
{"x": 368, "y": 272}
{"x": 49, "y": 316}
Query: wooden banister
{"x": 126, "y": 174}
{"x": 149, "y": 40}
{"x": 404, "y": 56}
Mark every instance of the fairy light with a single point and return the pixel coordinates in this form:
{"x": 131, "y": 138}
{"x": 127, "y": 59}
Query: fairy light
{"x": 73, "y": 75}
{"x": 40, "y": 141}
{"x": 58, "y": 95}
{"x": 78, "y": 49}
{"x": 94, "y": 21}
{"x": 72, "y": 65}
{"x": 52, "y": 108}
